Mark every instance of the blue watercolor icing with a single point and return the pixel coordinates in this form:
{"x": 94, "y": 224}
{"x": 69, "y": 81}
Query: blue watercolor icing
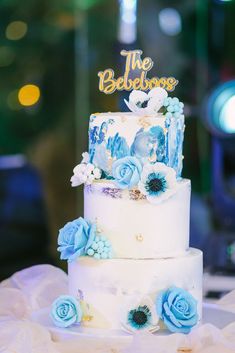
{"x": 100, "y": 157}
{"x": 158, "y": 136}
{"x": 92, "y": 118}
{"x": 174, "y": 143}
{"x": 152, "y": 144}
{"x": 118, "y": 147}
{"x": 149, "y": 143}
{"x": 97, "y": 134}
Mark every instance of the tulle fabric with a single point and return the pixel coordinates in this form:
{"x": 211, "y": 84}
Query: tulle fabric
{"x": 36, "y": 287}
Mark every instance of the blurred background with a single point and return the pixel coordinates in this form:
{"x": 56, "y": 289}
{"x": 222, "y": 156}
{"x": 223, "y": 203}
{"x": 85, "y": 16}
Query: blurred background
{"x": 50, "y": 53}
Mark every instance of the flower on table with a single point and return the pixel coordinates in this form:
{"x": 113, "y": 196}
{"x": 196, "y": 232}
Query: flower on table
{"x": 178, "y": 309}
{"x": 85, "y": 172}
{"x": 158, "y": 182}
{"x": 75, "y": 238}
{"x": 138, "y": 314}
{"x": 126, "y": 172}
{"x": 146, "y": 103}
{"x": 66, "y": 311}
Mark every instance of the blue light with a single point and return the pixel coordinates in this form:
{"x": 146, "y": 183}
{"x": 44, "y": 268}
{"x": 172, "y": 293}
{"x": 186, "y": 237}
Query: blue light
{"x": 227, "y": 116}
{"x": 127, "y": 22}
{"x": 220, "y": 113}
{"x": 129, "y": 4}
{"x": 170, "y": 21}
{"x": 129, "y": 17}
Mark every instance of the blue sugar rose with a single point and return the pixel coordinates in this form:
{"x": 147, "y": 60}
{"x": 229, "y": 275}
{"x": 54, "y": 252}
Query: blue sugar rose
{"x": 149, "y": 143}
{"x": 126, "y": 172}
{"x": 75, "y": 238}
{"x": 178, "y": 309}
{"x": 118, "y": 147}
{"x": 66, "y": 311}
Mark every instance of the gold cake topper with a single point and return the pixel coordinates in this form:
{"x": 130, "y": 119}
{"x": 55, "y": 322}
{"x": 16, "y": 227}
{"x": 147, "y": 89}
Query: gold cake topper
{"x": 135, "y": 76}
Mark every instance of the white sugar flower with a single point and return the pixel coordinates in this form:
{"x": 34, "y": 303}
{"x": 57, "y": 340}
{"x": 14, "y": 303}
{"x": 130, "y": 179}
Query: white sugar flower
{"x": 146, "y": 103}
{"x": 97, "y": 173}
{"x": 89, "y": 169}
{"x": 90, "y": 179}
{"x": 85, "y": 157}
{"x": 158, "y": 182}
{"x": 85, "y": 173}
{"x": 138, "y": 314}
{"x": 80, "y": 168}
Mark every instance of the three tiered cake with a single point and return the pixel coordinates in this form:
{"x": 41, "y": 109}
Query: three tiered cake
{"x": 129, "y": 262}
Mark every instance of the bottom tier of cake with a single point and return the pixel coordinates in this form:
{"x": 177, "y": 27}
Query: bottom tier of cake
{"x": 115, "y": 291}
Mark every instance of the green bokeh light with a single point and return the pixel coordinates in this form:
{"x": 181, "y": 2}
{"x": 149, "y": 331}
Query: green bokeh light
{"x": 86, "y": 4}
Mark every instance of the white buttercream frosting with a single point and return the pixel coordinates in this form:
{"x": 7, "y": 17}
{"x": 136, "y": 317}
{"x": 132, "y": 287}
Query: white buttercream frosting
{"x": 137, "y": 228}
{"x": 108, "y": 284}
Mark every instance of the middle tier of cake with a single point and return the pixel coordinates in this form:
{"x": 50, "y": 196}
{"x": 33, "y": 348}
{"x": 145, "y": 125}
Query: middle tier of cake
{"x": 136, "y": 228}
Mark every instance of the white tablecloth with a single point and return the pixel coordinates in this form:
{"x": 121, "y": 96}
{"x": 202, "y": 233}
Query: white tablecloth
{"x": 35, "y": 288}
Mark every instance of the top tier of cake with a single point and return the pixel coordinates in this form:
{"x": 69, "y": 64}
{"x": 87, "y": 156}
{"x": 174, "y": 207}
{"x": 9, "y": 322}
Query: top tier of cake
{"x": 155, "y": 138}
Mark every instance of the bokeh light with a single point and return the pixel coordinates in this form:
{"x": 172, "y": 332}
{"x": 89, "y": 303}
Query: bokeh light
{"x": 170, "y": 21}
{"x": 29, "y": 95}
{"x": 127, "y": 21}
{"x": 220, "y": 108}
{"x": 86, "y": 4}
{"x": 227, "y": 116}
{"x": 7, "y": 56}
{"x": 16, "y": 30}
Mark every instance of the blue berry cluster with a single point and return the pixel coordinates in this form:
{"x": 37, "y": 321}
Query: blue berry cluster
{"x": 100, "y": 248}
{"x": 173, "y": 107}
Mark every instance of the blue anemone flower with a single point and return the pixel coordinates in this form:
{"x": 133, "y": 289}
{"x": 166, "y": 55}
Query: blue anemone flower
{"x": 140, "y": 317}
{"x": 156, "y": 184}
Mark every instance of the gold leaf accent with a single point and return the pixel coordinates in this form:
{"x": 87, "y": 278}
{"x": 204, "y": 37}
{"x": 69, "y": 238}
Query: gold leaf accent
{"x": 144, "y": 122}
{"x": 184, "y": 350}
{"x": 136, "y": 195}
{"x": 165, "y": 130}
{"x": 87, "y": 318}
{"x": 139, "y": 237}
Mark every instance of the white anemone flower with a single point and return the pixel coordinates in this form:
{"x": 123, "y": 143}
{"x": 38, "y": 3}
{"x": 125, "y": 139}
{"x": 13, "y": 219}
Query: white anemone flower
{"x": 138, "y": 314}
{"x": 143, "y": 103}
{"x": 157, "y": 182}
